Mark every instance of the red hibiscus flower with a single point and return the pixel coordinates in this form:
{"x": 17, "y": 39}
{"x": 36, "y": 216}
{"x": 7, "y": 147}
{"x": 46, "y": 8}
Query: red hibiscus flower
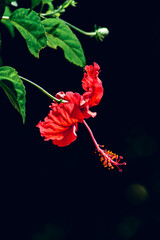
{"x": 61, "y": 124}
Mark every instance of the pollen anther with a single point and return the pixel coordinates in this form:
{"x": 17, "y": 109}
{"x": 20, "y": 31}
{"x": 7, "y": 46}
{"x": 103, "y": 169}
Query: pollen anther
{"x": 109, "y": 159}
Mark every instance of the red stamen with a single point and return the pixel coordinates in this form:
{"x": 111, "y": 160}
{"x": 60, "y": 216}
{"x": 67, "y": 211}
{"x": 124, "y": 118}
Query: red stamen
{"x": 108, "y": 158}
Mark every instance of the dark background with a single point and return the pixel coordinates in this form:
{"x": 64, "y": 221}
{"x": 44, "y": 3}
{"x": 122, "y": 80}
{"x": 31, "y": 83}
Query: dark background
{"x": 51, "y": 193}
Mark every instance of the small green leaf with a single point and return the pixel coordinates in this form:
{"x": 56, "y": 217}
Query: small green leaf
{"x": 60, "y": 35}
{"x": 29, "y": 25}
{"x": 14, "y": 88}
{"x": 7, "y": 22}
{"x": 35, "y": 3}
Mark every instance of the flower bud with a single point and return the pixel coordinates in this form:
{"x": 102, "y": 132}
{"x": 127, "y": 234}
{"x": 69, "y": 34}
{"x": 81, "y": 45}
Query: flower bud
{"x": 101, "y": 33}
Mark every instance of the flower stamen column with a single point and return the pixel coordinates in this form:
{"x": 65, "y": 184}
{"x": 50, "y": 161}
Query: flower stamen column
{"x": 108, "y": 158}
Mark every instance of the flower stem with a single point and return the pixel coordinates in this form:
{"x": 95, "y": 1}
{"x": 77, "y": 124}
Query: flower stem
{"x": 51, "y": 14}
{"x": 41, "y": 9}
{"x": 78, "y": 29}
{"x": 42, "y": 90}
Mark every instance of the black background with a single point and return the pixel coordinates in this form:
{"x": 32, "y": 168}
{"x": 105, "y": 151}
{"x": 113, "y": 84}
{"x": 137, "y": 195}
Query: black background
{"x": 65, "y": 193}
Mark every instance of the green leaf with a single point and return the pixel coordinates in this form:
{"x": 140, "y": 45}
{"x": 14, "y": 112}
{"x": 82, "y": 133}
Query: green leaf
{"x": 29, "y": 25}
{"x": 7, "y": 22}
{"x": 60, "y": 35}
{"x": 2, "y": 7}
{"x": 14, "y": 88}
{"x": 35, "y": 3}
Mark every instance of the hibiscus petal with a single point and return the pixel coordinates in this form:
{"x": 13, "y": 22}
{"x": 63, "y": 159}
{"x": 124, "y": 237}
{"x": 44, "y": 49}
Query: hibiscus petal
{"x": 69, "y": 136}
{"x": 97, "y": 93}
{"x": 92, "y": 85}
{"x": 61, "y": 124}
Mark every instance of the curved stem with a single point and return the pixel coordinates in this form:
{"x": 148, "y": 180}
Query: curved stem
{"x": 42, "y": 90}
{"x": 51, "y": 14}
{"x": 78, "y": 29}
{"x": 41, "y": 9}
{"x": 43, "y": 15}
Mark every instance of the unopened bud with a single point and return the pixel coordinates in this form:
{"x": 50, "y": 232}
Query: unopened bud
{"x": 101, "y": 33}
{"x": 69, "y": 3}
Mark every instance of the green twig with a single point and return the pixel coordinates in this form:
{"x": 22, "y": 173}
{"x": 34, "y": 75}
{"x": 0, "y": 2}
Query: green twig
{"x": 44, "y": 91}
{"x": 91, "y": 34}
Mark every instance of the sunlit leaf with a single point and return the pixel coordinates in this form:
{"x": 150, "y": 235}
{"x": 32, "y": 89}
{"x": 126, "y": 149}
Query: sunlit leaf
{"x": 14, "y": 88}
{"x": 60, "y": 35}
{"x": 29, "y": 25}
{"x": 35, "y": 3}
{"x": 7, "y": 22}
